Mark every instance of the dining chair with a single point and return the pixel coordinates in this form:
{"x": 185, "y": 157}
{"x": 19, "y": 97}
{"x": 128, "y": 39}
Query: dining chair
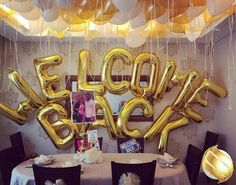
{"x": 211, "y": 139}
{"x": 9, "y": 159}
{"x": 70, "y": 175}
{"x": 16, "y": 141}
{"x": 145, "y": 171}
{"x": 78, "y": 142}
{"x": 193, "y": 162}
{"x": 140, "y": 141}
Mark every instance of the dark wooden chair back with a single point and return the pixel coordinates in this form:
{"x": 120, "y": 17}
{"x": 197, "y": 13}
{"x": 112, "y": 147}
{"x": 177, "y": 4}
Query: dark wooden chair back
{"x": 70, "y": 175}
{"x": 140, "y": 141}
{"x": 193, "y": 162}
{"x": 16, "y": 141}
{"x": 9, "y": 159}
{"x": 100, "y": 141}
{"x": 145, "y": 171}
{"x": 211, "y": 139}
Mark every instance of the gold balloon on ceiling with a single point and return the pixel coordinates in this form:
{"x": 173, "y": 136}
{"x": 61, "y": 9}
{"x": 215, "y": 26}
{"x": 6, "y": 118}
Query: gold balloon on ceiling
{"x": 177, "y": 16}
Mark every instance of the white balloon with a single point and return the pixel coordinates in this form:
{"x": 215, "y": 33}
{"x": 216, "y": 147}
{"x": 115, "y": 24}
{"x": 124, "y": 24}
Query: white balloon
{"x": 123, "y": 17}
{"x": 65, "y": 3}
{"x": 125, "y": 5}
{"x": 37, "y": 26}
{"x": 192, "y": 36}
{"x": 50, "y": 15}
{"x": 24, "y": 6}
{"x": 135, "y": 38}
{"x": 217, "y": 7}
{"x": 194, "y": 11}
{"x": 134, "y": 12}
{"x": 195, "y": 28}
{"x": 58, "y": 25}
{"x": 119, "y": 19}
{"x": 32, "y": 15}
{"x": 197, "y": 23}
{"x": 164, "y": 18}
{"x": 139, "y": 21}
{"x": 44, "y": 4}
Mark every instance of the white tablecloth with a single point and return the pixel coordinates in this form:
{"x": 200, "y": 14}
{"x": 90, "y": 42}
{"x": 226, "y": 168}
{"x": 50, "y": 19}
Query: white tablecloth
{"x": 97, "y": 174}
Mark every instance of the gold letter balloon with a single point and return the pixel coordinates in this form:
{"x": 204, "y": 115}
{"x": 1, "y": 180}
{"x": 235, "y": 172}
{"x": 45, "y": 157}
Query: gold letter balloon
{"x": 49, "y": 83}
{"x": 191, "y": 92}
{"x": 33, "y": 100}
{"x": 140, "y": 60}
{"x": 55, "y": 129}
{"x": 83, "y": 85}
{"x": 116, "y": 54}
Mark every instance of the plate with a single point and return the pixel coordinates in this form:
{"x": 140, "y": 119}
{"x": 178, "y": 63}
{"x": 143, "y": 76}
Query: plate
{"x": 89, "y": 162}
{"x": 167, "y": 164}
{"x": 162, "y": 160}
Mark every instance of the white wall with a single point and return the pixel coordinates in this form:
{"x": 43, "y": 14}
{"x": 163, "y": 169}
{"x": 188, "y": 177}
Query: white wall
{"x": 186, "y": 56}
{"x": 225, "y": 59}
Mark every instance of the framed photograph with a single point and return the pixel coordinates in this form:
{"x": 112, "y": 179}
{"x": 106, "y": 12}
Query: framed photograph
{"x": 93, "y": 139}
{"x": 82, "y": 107}
{"x": 130, "y": 146}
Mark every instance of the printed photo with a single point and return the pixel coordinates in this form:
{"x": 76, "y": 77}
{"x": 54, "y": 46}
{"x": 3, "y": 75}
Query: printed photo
{"x": 83, "y": 107}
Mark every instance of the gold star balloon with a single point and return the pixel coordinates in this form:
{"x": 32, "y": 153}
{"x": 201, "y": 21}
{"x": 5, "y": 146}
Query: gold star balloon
{"x": 217, "y": 164}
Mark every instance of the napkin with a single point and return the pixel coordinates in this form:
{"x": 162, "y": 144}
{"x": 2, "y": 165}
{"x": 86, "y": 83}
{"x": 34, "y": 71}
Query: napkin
{"x": 129, "y": 179}
{"x": 80, "y": 157}
{"x": 93, "y": 155}
{"x": 42, "y": 159}
{"x": 168, "y": 158}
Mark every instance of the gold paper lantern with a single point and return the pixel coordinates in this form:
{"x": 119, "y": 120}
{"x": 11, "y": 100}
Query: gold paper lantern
{"x": 217, "y": 164}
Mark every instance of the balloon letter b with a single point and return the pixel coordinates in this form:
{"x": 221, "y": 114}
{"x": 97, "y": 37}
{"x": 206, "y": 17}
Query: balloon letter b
{"x": 55, "y": 129}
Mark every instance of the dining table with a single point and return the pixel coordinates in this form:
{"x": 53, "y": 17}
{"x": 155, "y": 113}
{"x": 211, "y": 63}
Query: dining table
{"x": 97, "y": 174}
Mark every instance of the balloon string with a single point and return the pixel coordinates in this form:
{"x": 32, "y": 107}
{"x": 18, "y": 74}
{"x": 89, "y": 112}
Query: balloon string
{"x": 89, "y": 60}
{"x": 16, "y": 54}
{"x": 205, "y": 56}
{"x": 3, "y": 71}
{"x": 69, "y": 50}
{"x": 228, "y": 61}
{"x": 40, "y": 36}
{"x": 11, "y": 62}
{"x": 5, "y": 43}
